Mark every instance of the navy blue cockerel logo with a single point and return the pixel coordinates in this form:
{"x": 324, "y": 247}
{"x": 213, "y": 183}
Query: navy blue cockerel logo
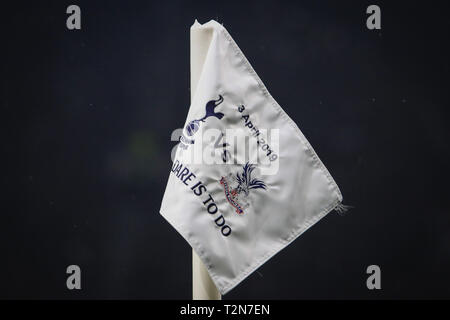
{"x": 193, "y": 126}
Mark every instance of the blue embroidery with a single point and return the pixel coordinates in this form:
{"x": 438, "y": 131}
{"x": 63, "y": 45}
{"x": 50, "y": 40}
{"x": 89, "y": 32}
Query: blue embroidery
{"x": 237, "y": 196}
{"x": 193, "y": 126}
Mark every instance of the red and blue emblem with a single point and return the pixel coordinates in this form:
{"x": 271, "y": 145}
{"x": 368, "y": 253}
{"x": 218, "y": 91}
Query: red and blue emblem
{"x": 237, "y": 195}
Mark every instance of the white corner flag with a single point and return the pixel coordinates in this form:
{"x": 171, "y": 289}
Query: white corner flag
{"x": 244, "y": 182}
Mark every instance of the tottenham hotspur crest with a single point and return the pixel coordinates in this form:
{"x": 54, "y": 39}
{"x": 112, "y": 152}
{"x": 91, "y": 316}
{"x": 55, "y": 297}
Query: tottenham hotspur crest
{"x": 192, "y": 127}
{"x": 237, "y": 187}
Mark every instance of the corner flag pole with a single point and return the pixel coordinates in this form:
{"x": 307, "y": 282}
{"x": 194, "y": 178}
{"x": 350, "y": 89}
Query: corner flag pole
{"x": 203, "y": 288}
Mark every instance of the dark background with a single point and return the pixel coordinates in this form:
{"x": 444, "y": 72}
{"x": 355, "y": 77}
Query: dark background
{"x": 87, "y": 118}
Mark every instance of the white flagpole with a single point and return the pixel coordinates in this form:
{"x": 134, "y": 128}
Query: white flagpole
{"x": 203, "y": 288}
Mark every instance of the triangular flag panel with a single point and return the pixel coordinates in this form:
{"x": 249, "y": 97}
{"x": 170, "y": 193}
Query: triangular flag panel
{"x": 245, "y": 182}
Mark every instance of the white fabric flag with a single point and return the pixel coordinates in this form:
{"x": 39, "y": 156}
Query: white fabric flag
{"x": 245, "y": 182}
